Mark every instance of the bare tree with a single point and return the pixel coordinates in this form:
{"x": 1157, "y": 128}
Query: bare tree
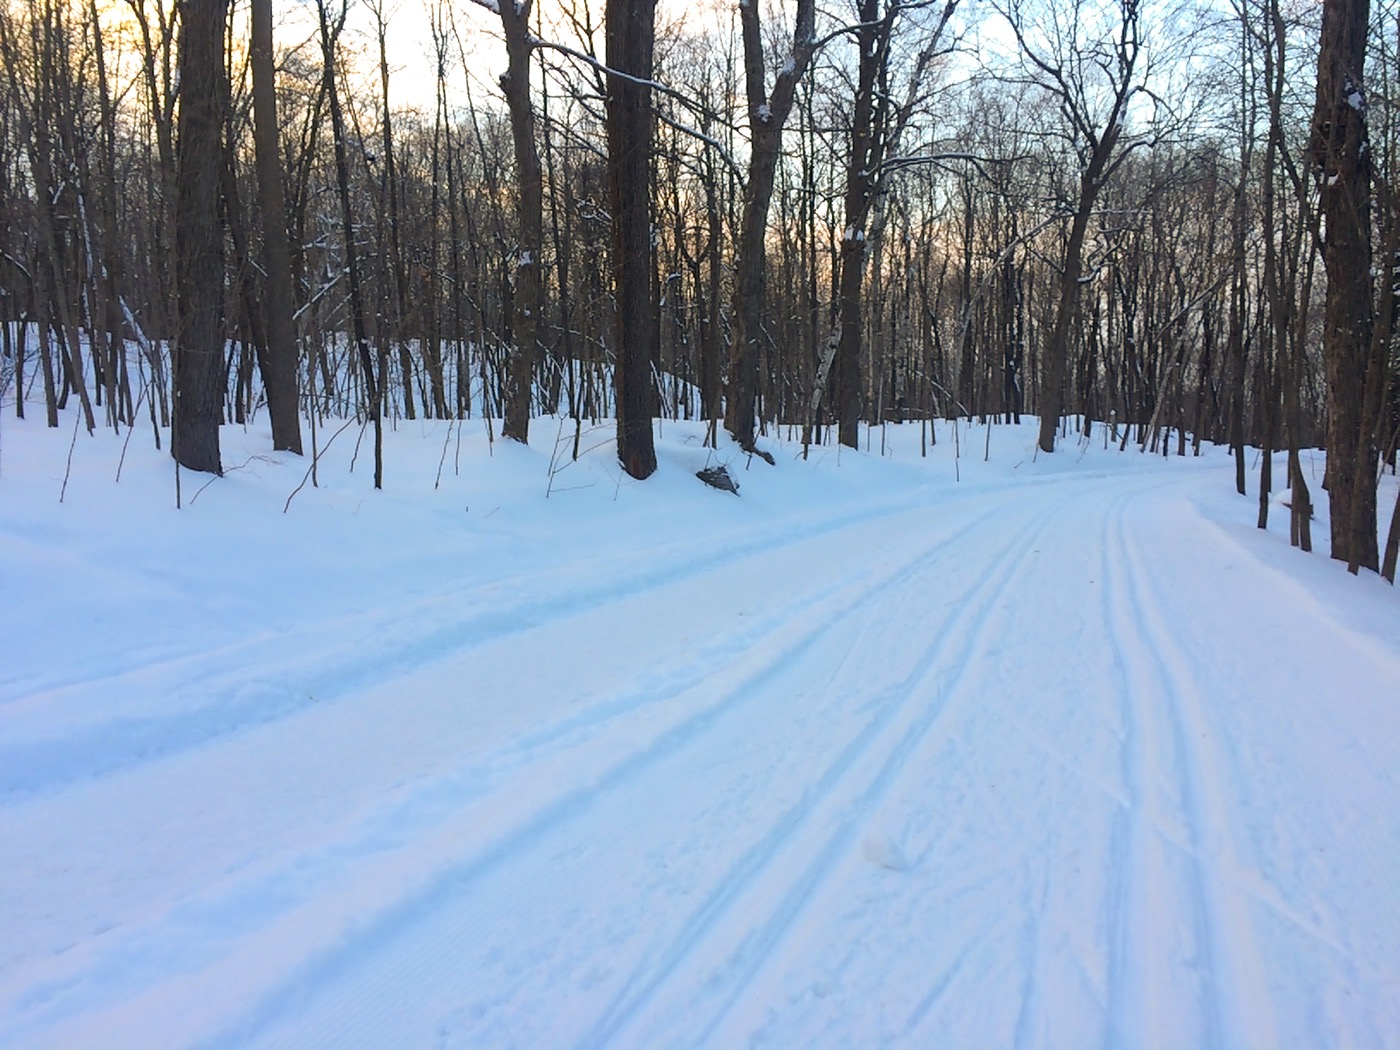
{"x": 767, "y": 113}
{"x": 630, "y": 44}
{"x": 529, "y": 175}
{"x": 199, "y": 236}
{"x": 1086, "y": 56}
{"x": 1341, "y": 154}
{"x": 281, "y": 380}
{"x": 878, "y": 120}
{"x": 330, "y": 29}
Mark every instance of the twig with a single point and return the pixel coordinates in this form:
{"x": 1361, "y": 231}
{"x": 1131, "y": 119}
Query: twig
{"x": 443, "y": 458}
{"x": 121, "y": 461}
{"x": 203, "y": 487}
{"x": 305, "y": 477}
{"x": 69, "y": 468}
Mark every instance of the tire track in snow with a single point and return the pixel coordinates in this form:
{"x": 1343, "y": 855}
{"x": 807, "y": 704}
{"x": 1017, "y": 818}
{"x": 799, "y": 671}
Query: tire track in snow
{"x": 1234, "y": 984}
{"x": 774, "y": 887}
{"x": 471, "y": 829}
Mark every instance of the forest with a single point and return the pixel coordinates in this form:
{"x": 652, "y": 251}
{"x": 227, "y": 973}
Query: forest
{"x": 1155, "y": 224}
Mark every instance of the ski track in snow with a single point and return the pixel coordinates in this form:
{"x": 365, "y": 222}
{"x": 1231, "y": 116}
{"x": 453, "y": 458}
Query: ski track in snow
{"x": 971, "y": 767}
{"x": 463, "y": 806}
{"x": 1233, "y": 969}
{"x": 227, "y": 704}
{"x": 847, "y": 790}
{"x": 1159, "y": 760}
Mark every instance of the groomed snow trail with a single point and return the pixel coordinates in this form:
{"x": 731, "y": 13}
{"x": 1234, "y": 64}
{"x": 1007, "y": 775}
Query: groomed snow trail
{"x": 1060, "y": 761}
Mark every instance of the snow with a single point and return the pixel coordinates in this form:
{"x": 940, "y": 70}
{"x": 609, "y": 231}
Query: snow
{"x": 1064, "y": 753}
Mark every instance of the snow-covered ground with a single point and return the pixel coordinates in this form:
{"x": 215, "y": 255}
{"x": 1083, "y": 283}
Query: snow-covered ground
{"x": 1037, "y": 751}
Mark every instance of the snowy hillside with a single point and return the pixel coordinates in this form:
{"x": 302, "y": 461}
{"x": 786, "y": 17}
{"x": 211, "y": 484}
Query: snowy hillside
{"x": 1037, "y": 751}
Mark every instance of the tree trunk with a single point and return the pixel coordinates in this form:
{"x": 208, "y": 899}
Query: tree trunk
{"x": 767, "y": 115}
{"x": 872, "y": 37}
{"x": 373, "y": 400}
{"x": 520, "y": 368}
{"x": 1052, "y": 384}
{"x": 281, "y": 377}
{"x": 1392, "y": 541}
{"x": 630, "y": 31}
{"x": 199, "y": 241}
{"x": 398, "y": 332}
{"x": 1341, "y": 152}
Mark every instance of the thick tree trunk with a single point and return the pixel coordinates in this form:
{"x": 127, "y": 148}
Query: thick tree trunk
{"x": 630, "y": 34}
{"x": 1341, "y": 152}
{"x": 199, "y": 241}
{"x": 849, "y": 399}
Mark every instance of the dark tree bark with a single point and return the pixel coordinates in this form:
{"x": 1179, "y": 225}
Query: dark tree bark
{"x": 1392, "y": 541}
{"x": 767, "y": 115}
{"x": 520, "y": 367}
{"x": 1236, "y": 346}
{"x": 281, "y": 377}
{"x": 106, "y": 280}
{"x": 1342, "y": 156}
{"x": 872, "y": 38}
{"x": 199, "y": 238}
{"x": 630, "y": 33}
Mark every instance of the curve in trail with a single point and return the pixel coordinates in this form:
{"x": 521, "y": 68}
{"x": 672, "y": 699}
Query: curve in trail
{"x": 467, "y": 813}
{"x": 779, "y": 876}
{"x": 1244, "y": 1013}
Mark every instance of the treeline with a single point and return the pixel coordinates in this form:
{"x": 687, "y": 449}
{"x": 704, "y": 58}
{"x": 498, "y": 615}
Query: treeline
{"x": 1107, "y": 214}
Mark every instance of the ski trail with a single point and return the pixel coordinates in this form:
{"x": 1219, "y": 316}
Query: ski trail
{"x": 667, "y": 563}
{"x": 1169, "y": 882}
{"x": 767, "y": 891}
{"x": 1236, "y": 979}
{"x": 1137, "y": 992}
{"x": 461, "y": 826}
{"x": 881, "y": 593}
{"x": 1039, "y": 879}
{"x": 352, "y": 652}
